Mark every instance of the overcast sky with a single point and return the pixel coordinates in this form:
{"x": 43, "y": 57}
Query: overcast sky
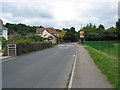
{"x": 60, "y": 13}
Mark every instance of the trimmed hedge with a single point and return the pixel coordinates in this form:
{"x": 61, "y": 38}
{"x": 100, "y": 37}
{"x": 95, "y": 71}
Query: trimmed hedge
{"x": 30, "y": 47}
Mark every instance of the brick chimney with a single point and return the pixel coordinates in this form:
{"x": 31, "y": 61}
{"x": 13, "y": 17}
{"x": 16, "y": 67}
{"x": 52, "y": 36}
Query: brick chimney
{"x": 1, "y": 22}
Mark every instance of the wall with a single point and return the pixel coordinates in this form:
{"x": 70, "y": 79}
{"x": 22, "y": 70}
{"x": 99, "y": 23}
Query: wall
{"x": 5, "y": 34}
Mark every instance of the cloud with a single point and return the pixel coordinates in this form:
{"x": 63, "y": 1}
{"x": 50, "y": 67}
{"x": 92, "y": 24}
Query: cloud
{"x": 61, "y": 13}
{"x": 26, "y": 10}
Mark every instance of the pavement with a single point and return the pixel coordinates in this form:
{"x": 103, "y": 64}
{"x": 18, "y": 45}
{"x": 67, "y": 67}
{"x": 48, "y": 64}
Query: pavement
{"x": 49, "y": 68}
{"x": 86, "y": 73}
{"x": 3, "y": 57}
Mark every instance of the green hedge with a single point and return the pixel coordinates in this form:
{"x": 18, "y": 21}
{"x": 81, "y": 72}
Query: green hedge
{"x": 30, "y": 47}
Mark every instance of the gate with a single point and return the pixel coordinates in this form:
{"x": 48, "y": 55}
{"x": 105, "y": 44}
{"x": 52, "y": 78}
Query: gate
{"x": 12, "y": 51}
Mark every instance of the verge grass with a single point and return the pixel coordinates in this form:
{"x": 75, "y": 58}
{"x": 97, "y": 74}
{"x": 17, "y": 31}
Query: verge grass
{"x": 54, "y": 45}
{"x": 107, "y": 64}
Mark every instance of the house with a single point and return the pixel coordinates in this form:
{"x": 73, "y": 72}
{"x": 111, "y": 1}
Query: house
{"x": 3, "y": 32}
{"x": 50, "y": 33}
{"x": 29, "y": 35}
{"x": 13, "y": 36}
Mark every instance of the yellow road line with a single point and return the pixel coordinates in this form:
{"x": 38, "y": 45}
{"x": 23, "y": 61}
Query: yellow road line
{"x": 7, "y": 59}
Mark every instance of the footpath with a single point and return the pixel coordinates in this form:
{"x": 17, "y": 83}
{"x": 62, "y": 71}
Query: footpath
{"x": 86, "y": 73}
{"x": 3, "y": 57}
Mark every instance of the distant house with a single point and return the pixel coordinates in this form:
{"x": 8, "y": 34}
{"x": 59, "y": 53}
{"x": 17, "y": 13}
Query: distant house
{"x": 50, "y": 33}
{"x": 3, "y": 32}
{"x": 29, "y": 35}
{"x": 13, "y": 36}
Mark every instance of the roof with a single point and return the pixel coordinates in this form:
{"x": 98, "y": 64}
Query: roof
{"x": 1, "y": 25}
{"x": 13, "y": 36}
{"x": 1, "y": 22}
{"x": 49, "y": 30}
{"x": 29, "y": 35}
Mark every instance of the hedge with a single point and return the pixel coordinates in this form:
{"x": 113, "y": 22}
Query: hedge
{"x": 30, "y": 47}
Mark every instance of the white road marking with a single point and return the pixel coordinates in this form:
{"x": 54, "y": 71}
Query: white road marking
{"x": 73, "y": 69}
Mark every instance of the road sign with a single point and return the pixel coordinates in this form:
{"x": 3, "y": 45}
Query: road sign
{"x": 81, "y": 34}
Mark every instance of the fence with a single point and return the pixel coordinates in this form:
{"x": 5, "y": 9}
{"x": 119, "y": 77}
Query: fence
{"x": 109, "y": 47}
{"x": 26, "y": 48}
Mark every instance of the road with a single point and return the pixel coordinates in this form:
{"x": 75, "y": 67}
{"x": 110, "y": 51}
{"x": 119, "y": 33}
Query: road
{"x": 49, "y": 68}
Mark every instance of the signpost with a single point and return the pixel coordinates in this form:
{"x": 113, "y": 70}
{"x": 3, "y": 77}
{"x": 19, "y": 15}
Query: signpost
{"x": 82, "y": 37}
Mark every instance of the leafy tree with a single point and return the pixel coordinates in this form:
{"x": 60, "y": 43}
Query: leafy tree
{"x": 72, "y": 29}
{"x": 36, "y": 38}
{"x": 3, "y": 41}
{"x": 100, "y": 31}
{"x": 20, "y": 28}
{"x": 118, "y": 28}
{"x": 71, "y": 36}
{"x": 111, "y": 34}
{"x": 67, "y": 30}
{"x": 62, "y": 33}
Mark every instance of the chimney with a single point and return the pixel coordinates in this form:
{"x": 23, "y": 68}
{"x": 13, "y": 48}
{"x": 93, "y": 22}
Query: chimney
{"x": 1, "y": 22}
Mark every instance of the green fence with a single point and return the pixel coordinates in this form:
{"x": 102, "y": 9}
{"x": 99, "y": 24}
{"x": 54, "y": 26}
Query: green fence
{"x": 109, "y": 47}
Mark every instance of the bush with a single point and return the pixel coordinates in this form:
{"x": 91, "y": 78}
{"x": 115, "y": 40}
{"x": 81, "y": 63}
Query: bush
{"x": 4, "y": 41}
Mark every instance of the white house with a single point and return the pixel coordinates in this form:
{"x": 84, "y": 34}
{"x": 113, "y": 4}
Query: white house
{"x": 3, "y": 32}
{"x": 50, "y": 33}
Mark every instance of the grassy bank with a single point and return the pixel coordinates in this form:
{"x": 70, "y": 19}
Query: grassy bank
{"x": 107, "y": 64}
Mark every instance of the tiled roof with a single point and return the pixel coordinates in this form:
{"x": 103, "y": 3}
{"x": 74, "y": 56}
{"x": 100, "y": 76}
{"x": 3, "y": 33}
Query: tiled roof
{"x": 1, "y": 22}
{"x": 29, "y": 34}
{"x": 50, "y": 30}
{"x": 13, "y": 36}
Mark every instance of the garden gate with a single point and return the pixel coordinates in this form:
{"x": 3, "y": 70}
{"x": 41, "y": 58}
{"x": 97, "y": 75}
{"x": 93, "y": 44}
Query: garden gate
{"x": 12, "y": 51}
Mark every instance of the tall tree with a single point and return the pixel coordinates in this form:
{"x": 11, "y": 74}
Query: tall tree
{"x": 72, "y": 29}
{"x": 118, "y": 28}
{"x": 62, "y": 33}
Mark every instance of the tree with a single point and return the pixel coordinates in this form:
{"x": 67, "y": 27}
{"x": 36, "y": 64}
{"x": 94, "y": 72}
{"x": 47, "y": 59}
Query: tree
{"x": 36, "y": 38}
{"x": 100, "y": 31}
{"x": 118, "y": 28}
{"x": 72, "y": 29}
{"x": 111, "y": 34}
{"x": 71, "y": 35}
{"x": 4, "y": 41}
{"x": 62, "y": 34}
{"x": 20, "y": 28}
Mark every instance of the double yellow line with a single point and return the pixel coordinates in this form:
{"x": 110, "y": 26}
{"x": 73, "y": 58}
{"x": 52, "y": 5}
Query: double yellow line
{"x": 7, "y": 59}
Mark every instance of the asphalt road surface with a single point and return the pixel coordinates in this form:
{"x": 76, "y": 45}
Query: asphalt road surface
{"x": 49, "y": 68}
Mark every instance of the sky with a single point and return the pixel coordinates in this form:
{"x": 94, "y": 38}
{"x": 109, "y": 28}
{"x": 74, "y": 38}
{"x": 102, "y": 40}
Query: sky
{"x": 60, "y": 13}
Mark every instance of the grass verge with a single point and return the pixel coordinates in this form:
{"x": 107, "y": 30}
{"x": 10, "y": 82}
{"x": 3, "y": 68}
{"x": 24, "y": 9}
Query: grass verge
{"x": 54, "y": 45}
{"x": 107, "y": 64}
